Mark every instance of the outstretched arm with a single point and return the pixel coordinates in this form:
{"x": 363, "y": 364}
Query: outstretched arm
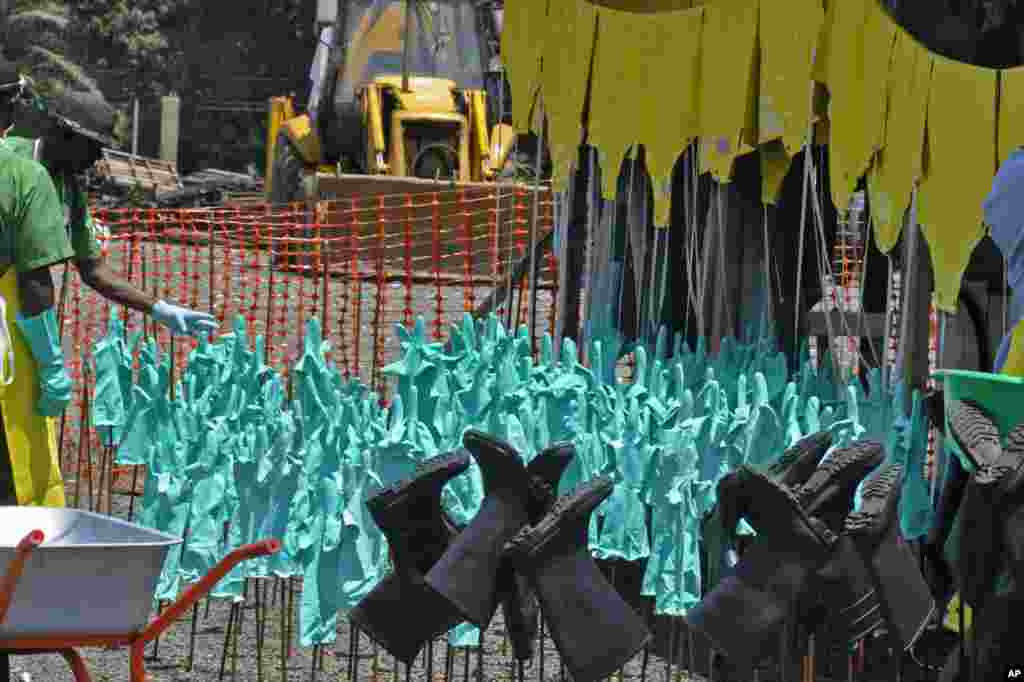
{"x": 98, "y": 276}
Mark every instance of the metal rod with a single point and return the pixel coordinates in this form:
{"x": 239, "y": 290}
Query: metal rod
{"x": 312, "y": 670}
{"x": 643, "y": 663}
{"x": 259, "y": 630}
{"x": 673, "y": 624}
{"x": 448, "y": 660}
{"x": 540, "y": 645}
{"x": 291, "y": 608}
{"x": 238, "y": 633}
{"x": 160, "y": 606}
{"x": 284, "y": 637}
{"x": 131, "y": 498}
{"x": 465, "y": 664}
{"x": 532, "y": 310}
{"x": 227, "y": 638}
{"x": 192, "y": 637}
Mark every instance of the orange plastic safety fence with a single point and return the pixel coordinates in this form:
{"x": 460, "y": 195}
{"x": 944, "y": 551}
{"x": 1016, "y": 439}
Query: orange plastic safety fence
{"x": 360, "y": 264}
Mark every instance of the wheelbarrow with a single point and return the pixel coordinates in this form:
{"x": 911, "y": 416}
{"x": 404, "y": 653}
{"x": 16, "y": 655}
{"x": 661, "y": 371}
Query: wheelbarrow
{"x": 77, "y": 579}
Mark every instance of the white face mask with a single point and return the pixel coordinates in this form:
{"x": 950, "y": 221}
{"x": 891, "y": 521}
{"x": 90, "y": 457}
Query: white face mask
{"x": 6, "y": 348}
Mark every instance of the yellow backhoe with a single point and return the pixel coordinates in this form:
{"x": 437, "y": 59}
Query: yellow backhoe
{"x": 400, "y": 91}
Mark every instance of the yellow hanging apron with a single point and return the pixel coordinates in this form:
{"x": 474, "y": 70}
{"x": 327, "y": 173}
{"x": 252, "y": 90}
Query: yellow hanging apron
{"x": 31, "y": 438}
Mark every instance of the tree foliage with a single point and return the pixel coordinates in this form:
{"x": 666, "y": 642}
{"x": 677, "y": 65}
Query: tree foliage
{"x": 174, "y": 45}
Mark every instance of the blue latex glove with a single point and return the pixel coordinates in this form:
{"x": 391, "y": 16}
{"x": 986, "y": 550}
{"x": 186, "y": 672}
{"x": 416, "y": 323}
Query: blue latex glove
{"x": 182, "y": 320}
{"x": 43, "y": 340}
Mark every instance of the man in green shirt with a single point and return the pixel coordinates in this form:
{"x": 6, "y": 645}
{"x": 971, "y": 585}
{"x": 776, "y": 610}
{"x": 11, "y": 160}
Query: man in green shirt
{"x": 67, "y": 148}
{"x": 36, "y": 387}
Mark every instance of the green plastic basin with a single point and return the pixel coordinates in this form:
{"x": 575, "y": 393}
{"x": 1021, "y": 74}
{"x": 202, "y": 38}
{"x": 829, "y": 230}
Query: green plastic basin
{"x": 1001, "y": 396}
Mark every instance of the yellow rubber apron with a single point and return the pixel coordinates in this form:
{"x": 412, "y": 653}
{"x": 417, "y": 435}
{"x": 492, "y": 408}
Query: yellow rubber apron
{"x": 31, "y": 438}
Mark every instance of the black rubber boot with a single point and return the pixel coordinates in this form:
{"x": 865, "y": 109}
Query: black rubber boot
{"x": 900, "y": 589}
{"x": 595, "y": 630}
{"x": 519, "y": 602}
{"x": 987, "y": 514}
{"x": 792, "y": 469}
{"x": 974, "y": 432}
{"x": 467, "y": 573}
{"x": 1006, "y": 503}
{"x": 745, "y": 613}
{"x": 410, "y": 516}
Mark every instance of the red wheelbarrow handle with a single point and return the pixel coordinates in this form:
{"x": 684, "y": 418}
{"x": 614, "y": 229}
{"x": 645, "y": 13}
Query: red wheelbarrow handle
{"x": 204, "y": 585}
{"x": 190, "y": 597}
{"x": 14, "y": 570}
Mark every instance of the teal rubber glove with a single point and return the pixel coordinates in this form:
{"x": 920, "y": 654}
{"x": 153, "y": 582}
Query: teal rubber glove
{"x": 44, "y": 341}
{"x": 182, "y": 320}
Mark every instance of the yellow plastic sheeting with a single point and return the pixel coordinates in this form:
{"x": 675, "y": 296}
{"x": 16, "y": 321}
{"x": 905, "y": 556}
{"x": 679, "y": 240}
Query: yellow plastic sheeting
{"x": 648, "y": 6}
{"x": 1014, "y": 365}
{"x": 860, "y": 50}
{"x": 960, "y": 165}
{"x": 726, "y": 82}
{"x": 31, "y": 438}
{"x": 521, "y": 52}
{"x": 952, "y": 620}
{"x": 820, "y": 69}
{"x": 1011, "y": 111}
{"x": 898, "y": 166}
{"x": 567, "y": 49}
{"x": 789, "y": 31}
{"x": 646, "y": 94}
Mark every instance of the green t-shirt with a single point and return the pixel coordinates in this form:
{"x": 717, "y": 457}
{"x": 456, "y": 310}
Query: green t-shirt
{"x": 31, "y": 216}
{"x": 82, "y": 232}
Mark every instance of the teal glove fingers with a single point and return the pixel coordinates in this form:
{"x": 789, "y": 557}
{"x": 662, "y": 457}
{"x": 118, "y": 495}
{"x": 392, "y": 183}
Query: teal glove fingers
{"x": 43, "y": 340}
{"x": 182, "y": 320}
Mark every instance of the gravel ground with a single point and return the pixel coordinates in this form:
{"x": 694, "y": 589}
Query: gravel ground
{"x": 168, "y": 661}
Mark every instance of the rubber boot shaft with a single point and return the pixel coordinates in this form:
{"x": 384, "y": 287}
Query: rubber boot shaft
{"x": 595, "y": 630}
{"x": 403, "y": 615}
{"x": 904, "y": 596}
{"x": 467, "y": 573}
{"x": 410, "y": 516}
{"x": 519, "y": 602}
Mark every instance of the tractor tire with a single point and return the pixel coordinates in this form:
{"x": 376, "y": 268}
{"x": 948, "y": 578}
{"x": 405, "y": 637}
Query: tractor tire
{"x": 521, "y": 164}
{"x": 286, "y": 183}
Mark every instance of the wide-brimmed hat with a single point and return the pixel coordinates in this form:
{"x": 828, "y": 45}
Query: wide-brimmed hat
{"x": 84, "y": 113}
{"x": 12, "y": 83}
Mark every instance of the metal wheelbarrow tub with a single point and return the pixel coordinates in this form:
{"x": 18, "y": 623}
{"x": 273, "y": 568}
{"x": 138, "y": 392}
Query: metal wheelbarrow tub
{"x": 93, "y": 574}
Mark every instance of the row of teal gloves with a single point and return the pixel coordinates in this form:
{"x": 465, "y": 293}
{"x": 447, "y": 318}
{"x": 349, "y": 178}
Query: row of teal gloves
{"x": 43, "y": 339}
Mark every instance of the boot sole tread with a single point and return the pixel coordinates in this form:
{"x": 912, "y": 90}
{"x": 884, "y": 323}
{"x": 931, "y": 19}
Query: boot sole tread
{"x": 974, "y": 431}
{"x": 876, "y": 495}
{"x": 842, "y": 461}
{"x": 814, "y": 445}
